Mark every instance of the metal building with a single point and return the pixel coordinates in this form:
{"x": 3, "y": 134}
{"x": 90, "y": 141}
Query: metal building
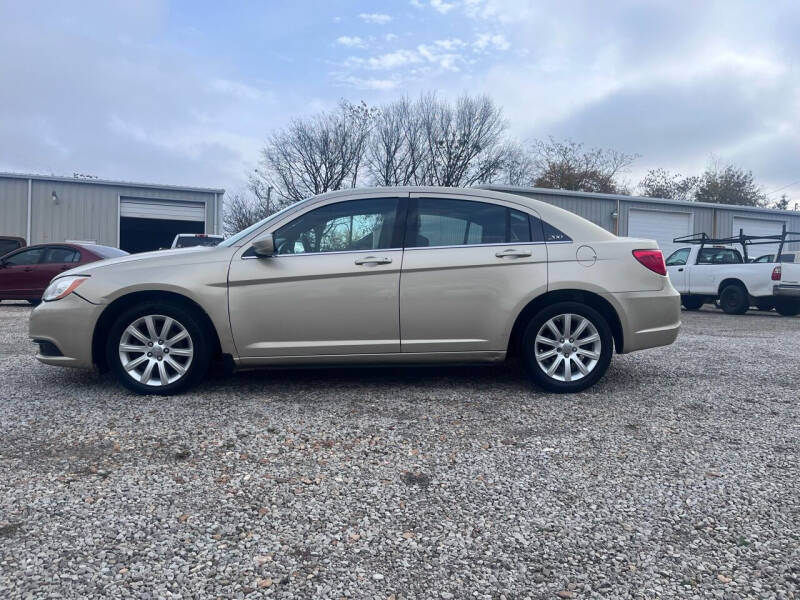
{"x": 662, "y": 219}
{"x": 133, "y": 216}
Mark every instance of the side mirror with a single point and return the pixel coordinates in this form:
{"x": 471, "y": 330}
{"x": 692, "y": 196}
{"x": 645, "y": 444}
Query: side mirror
{"x": 265, "y": 245}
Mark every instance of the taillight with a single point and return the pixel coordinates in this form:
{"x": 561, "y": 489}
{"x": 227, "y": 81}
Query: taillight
{"x": 652, "y": 259}
{"x": 776, "y": 273}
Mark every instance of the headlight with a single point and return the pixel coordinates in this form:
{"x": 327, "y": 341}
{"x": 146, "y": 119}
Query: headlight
{"x": 62, "y": 287}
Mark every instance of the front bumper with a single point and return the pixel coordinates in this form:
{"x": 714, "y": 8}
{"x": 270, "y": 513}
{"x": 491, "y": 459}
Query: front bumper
{"x": 786, "y": 289}
{"x": 648, "y": 319}
{"x": 68, "y": 324}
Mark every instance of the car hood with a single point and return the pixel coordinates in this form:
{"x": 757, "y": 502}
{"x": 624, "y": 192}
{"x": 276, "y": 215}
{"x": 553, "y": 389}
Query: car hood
{"x": 175, "y": 257}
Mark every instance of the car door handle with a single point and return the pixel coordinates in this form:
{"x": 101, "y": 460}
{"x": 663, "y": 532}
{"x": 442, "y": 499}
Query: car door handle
{"x": 512, "y": 253}
{"x": 681, "y": 269}
{"x": 373, "y": 260}
{"x": 26, "y": 269}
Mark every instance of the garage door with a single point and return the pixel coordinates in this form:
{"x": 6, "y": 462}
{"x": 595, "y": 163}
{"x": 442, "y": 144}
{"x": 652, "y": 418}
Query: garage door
{"x": 660, "y": 225}
{"x": 172, "y": 210}
{"x": 753, "y": 226}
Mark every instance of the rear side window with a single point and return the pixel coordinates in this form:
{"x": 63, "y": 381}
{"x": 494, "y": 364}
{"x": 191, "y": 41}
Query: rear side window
{"x": 436, "y": 222}
{"x": 544, "y": 232}
{"x": 61, "y": 255}
{"x": 678, "y": 258}
{"x": 719, "y": 256}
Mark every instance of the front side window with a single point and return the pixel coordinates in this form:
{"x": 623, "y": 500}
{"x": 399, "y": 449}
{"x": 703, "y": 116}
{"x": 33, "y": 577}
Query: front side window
{"x": 344, "y": 226}
{"x": 26, "y": 257}
{"x": 719, "y": 256}
{"x": 678, "y": 258}
{"x": 61, "y": 255}
{"x": 443, "y": 222}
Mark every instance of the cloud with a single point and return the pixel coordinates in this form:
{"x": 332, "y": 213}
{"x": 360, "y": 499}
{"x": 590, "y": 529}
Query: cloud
{"x": 442, "y": 6}
{"x": 73, "y": 102}
{"x": 450, "y": 44}
{"x": 385, "y": 62}
{"x": 368, "y": 83}
{"x": 485, "y": 40}
{"x": 351, "y": 41}
{"x": 375, "y": 18}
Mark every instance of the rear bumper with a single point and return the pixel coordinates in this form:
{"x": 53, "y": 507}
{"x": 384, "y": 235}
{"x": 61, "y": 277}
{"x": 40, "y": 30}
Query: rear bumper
{"x": 68, "y": 324}
{"x": 648, "y": 319}
{"x": 786, "y": 289}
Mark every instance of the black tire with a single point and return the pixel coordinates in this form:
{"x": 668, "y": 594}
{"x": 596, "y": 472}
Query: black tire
{"x": 529, "y": 344}
{"x": 692, "y": 302}
{"x": 787, "y": 307}
{"x": 734, "y": 300}
{"x": 765, "y": 305}
{"x": 34, "y": 301}
{"x": 199, "y": 341}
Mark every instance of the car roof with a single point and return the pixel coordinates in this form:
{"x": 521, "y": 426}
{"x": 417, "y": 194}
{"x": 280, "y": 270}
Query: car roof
{"x": 558, "y": 217}
{"x": 74, "y": 246}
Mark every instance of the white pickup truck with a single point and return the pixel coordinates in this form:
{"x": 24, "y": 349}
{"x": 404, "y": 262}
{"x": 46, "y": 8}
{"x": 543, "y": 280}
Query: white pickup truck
{"x": 707, "y": 273}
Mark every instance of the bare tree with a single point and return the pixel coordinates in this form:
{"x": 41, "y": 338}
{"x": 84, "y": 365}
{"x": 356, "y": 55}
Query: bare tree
{"x": 430, "y": 141}
{"x": 660, "y": 183}
{"x": 568, "y": 166}
{"x": 316, "y": 154}
{"x": 240, "y": 210}
{"x": 464, "y": 142}
{"x": 395, "y": 152}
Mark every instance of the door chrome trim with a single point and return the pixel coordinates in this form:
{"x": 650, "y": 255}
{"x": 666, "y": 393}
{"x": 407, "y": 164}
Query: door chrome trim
{"x": 375, "y": 250}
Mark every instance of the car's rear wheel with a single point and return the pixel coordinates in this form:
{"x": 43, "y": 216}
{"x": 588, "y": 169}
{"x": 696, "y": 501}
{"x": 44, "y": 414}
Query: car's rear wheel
{"x": 734, "y": 300}
{"x": 158, "y": 348}
{"x": 788, "y": 307}
{"x": 567, "y": 347}
{"x": 692, "y": 302}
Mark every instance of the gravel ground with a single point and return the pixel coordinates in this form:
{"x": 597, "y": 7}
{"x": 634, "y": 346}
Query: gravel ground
{"x": 676, "y": 476}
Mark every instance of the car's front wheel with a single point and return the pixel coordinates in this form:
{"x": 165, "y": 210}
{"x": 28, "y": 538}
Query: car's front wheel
{"x": 158, "y": 348}
{"x": 567, "y": 347}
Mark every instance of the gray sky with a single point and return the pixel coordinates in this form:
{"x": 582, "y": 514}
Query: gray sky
{"x": 185, "y": 92}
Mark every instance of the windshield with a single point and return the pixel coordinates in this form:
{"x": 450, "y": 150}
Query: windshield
{"x": 235, "y": 239}
{"x": 107, "y": 251}
{"x": 191, "y": 241}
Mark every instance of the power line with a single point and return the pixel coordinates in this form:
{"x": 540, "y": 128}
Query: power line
{"x": 784, "y": 187}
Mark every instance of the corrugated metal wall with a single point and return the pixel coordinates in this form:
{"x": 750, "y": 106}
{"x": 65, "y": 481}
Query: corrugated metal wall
{"x": 596, "y": 210}
{"x": 14, "y": 207}
{"x": 81, "y": 210}
{"x": 716, "y": 221}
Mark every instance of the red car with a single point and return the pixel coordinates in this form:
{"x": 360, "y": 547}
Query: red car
{"x": 25, "y": 273}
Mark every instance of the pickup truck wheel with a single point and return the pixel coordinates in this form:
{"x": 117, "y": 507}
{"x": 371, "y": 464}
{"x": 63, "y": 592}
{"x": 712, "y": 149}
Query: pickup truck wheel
{"x": 788, "y": 308}
{"x": 692, "y": 302}
{"x": 158, "y": 348}
{"x": 567, "y": 347}
{"x": 765, "y": 305}
{"x": 734, "y": 300}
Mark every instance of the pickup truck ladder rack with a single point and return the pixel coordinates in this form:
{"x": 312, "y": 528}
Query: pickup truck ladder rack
{"x": 785, "y": 237}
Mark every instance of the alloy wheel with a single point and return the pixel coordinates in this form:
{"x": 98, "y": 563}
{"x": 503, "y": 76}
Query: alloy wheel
{"x": 156, "y": 350}
{"x": 567, "y": 347}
